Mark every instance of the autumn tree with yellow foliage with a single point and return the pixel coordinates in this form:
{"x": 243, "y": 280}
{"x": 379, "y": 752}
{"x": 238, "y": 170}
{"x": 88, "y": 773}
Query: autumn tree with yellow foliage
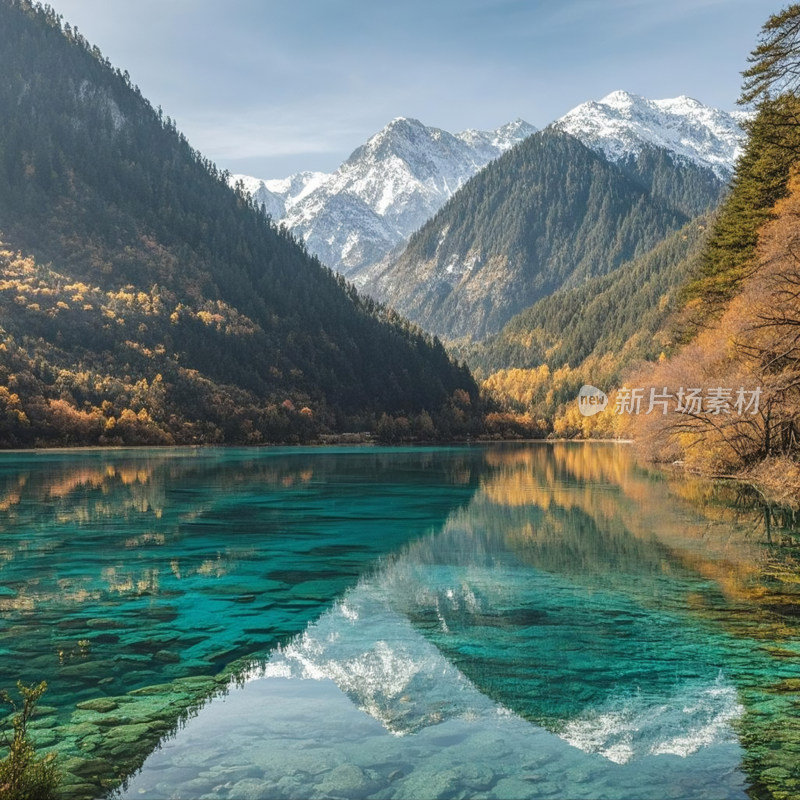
{"x": 743, "y": 304}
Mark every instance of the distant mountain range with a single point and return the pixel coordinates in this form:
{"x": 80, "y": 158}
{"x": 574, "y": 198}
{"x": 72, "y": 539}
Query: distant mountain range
{"x": 389, "y": 187}
{"x": 549, "y": 215}
{"x": 384, "y": 191}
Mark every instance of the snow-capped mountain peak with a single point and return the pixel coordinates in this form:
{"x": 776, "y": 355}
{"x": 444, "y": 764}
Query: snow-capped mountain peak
{"x": 514, "y": 131}
{"x": 501, "y": 139}
{"x": 386, "y": 189}
{"x": 622, "y": 123}
{"x": 296, "y": 186}
{"x": 402, "y": 175}
{"x": 273, "y": 203}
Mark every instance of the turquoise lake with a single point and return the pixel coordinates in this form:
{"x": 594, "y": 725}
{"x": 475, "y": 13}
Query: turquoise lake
{"x": 547, "y": 620}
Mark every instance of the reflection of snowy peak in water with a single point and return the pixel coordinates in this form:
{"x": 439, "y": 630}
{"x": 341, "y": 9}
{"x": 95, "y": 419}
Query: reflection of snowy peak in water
{"x": 695, "y": 716}
{"x": 392, "y": 644}
{"x": 387, "y": 668}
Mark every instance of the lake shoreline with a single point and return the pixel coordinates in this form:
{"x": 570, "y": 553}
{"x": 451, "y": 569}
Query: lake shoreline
{"x": 776, "y": 479}
{"x": 296, "y": 445}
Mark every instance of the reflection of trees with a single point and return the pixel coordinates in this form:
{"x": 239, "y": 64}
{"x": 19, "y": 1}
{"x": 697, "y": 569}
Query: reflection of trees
{"x": 717, "y": 530}
{"x": 212, "y": 554}
{"x": 136, "y": 507}
{"x": 78, "y": 492}
{"x": 568, "y": 504}
{"x": 549, "y": 600}
{"x": 588, "y": 516}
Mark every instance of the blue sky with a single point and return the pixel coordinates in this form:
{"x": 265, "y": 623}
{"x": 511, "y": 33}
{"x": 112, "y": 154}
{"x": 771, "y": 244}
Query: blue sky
{"x": 269, "y": 88}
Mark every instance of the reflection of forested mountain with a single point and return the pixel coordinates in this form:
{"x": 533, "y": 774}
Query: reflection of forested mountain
{"x": 575, "y": 580}
{"x": 167, "y": 545}
{"x": 124, "y": 569}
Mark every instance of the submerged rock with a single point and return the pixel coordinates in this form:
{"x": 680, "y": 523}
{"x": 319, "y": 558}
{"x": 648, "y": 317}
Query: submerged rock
{"x": 102, "y": 623}
{"x": 250, "y": 789}
{"x": 156, "y": 688}
{"x": 128, "y": 733}
{"x": 101, "y": 704}
{"x": 346, "y": 780}
{"x": 167, "y": 657}
{"x": 87, "y": 670}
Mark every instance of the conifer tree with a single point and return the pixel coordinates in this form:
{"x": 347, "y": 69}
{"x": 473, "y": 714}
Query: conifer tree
{"x": 775, "y": 63}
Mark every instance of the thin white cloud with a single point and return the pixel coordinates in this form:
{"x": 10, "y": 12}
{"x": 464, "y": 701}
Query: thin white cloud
{"x": 258, "y": 137}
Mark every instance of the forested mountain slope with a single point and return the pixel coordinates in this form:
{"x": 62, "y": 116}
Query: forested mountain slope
{"x": 144, "y": 300}
{"x": 592, "y": 334}
{"x": 742, "y": 318}
{"x": 610, "y": 314}
{"x": 548, "y": 215}
{"x": 733, "y": 375}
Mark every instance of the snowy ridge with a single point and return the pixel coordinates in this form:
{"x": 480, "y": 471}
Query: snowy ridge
{"x": 621, "y": 124}
{"x": 278, "y": 196}
{"x": 698, "y": 715}
{"x": 273, "y": 204}
{"x": 391, "y": 185}
{"x": 383, "y": 192}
